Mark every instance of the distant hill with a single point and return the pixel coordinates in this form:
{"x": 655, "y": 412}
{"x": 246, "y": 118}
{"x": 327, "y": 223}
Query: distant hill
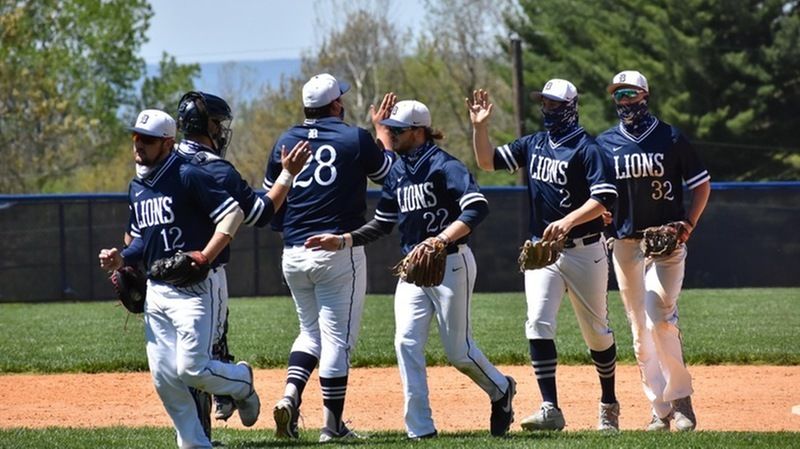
{"x": 247, "y": 77}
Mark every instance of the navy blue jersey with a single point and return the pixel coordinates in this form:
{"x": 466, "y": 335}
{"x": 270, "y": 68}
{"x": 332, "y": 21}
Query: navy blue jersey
{"x": 258, "y": 210}
{"x": 425, "y": 193}
{"x": 329, "y": 194}
{"x": 562, "y": 176}
{"x": 650, "y": 171}
{"x": 176, "y": 208}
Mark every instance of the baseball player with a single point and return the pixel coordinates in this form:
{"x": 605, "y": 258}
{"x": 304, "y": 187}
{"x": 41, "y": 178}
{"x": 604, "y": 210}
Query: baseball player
{"x": 569, "y": 187}
{"x": 429, "y": 193}
{"x": 177, "y": 206}
{"x": 651, "y": 161}
{"x": 204, "y": 119}
{"x": 328, "y": 288}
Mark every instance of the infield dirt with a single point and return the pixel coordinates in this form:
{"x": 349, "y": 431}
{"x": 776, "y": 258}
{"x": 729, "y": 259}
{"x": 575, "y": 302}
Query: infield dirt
{"x": 746, "y": 398}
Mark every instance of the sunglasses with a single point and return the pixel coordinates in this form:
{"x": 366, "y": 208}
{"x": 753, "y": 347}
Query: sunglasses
{"x": 147, "y": 140}
{"x": 619, "y": 94}
{"x": 397, "y": 131}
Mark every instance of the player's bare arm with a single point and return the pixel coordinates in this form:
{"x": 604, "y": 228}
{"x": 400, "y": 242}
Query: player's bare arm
{"x": 559, "y": 229}
{"x": 454, "y": 231}
{"x": 292, "y": 162}
{"x": 698, "y": 203}
{"x": 383, "y": 137}
{"x": 223, "y": 234}
{"x": 480, "y": 109}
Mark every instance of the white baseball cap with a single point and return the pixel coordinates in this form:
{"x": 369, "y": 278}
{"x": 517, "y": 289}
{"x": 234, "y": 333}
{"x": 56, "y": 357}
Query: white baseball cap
{"x": 408, "y": 113}
{"x": 556, "y": 89}
{"x": 322, "y": 89}
{"x": 154, "y": 122}
{"x": 628, "y": 78}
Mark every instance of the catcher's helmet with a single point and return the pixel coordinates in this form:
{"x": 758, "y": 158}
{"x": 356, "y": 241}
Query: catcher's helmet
{"x": 197, "y": 110}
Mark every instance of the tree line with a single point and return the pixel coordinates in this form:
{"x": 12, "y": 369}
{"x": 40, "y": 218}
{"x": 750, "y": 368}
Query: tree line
{"x": 726, "y": 72}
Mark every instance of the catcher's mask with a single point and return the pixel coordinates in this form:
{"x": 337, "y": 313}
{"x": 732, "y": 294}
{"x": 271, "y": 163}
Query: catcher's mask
{"x": 197, "y": 110}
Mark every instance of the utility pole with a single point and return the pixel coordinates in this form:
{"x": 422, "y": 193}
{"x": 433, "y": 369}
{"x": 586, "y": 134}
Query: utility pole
{"x": 518, "y": 86}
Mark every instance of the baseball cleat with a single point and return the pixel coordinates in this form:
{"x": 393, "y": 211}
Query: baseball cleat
{"x": 223, "y": 407}
{"x": 547, "y": 418}
{"x": 609, "y": 417}
{"x": 427, "y": 436}
{"x": 658, "y": 424}
{"x": 503, "y": 410}
{"x": 327, "y": 436}
{"x": 683, "y": 414}
{"x": 250, "y": 406}
{"x": 286, "y": 416}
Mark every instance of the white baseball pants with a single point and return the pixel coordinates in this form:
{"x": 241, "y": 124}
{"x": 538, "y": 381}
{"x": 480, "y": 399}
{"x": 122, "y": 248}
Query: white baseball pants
{"x": 328, "y": 289}
{"x": 649, "y": 288}
{"x": 181, "y": 325}
{"x": 414, "y": 308}
{"x": 582, "y": 272}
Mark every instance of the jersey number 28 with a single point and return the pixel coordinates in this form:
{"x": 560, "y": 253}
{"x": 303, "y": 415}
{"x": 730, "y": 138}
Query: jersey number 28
{"x": 325, "y": 173}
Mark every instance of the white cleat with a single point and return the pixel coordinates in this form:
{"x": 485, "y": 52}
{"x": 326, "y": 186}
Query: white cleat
{"x": 249, "y": 407}
{"x": 547, "y": 418}
{"x": 609, "y": 417}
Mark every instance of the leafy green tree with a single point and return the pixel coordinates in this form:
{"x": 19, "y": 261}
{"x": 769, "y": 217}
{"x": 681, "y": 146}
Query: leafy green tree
{"x": 68, "y": 73}
{"x": 164, "y": 90}
{"x": 724, "y": 72}
{"x": 65, "y": 68}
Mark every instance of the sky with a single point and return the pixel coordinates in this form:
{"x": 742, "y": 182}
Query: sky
{"x": 202, "y": 31}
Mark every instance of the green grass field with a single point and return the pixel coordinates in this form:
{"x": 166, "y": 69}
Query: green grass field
{"x": 742, "y": 326}
{"x": 730, "y": 326}
{"x": 162, "y": 438}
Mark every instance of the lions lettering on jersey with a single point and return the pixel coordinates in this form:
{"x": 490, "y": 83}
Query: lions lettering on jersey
{"x": 424, "y": 193}
{"x": 563, "y": 175}
{"x": 550, "y": 170}
{"x": 650, "y": 170}
{"x": 639, "y": 165}
{"x": 153, "y": 211}
{"x": 416, "y": 197}
{"x": 176, "y": 208}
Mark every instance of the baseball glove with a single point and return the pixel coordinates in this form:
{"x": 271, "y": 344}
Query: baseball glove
{"x": 131, "y": 287}
{"x": 424, "y": 265}
{"x": 539, "y": 254}
{"x": 662, "y": 240}
{"x": 182, "y": 269}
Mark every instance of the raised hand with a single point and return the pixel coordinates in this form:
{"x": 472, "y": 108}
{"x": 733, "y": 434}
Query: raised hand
{"x": 384, "y": 110}
{"x": 480, "y": 108}
{"x": 293, "y": 161}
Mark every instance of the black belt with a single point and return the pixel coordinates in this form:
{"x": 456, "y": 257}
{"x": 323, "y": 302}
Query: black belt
{"x": 572, "y": 243}
{"x": 638, "y": 235}
{"x": 452, "y": 249}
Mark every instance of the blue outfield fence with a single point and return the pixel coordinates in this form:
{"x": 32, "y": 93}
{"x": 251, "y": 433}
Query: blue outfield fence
{"x": 49, "y": 244}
